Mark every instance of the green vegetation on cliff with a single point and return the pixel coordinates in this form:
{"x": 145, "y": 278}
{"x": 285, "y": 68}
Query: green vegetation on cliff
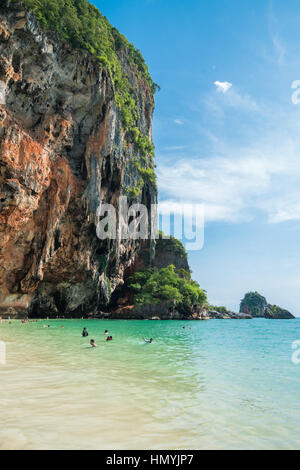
{"x": 221, "y": 309}
{"x": 253, "y": 303}
{"x": 276, "y": 312}
{"x": 171, "y": 244}
{"x": 153, "y": 286}
{"x": 84, "y": 27}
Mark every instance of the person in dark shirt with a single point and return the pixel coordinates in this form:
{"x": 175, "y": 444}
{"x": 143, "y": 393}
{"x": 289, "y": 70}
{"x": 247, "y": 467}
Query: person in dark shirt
{"x": 84, "y": 333}
{"x": 149, "y": 341}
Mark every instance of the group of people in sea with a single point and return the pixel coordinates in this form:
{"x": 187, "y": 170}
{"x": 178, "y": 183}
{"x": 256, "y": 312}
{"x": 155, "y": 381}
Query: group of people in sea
{"x": 85, "y": 334}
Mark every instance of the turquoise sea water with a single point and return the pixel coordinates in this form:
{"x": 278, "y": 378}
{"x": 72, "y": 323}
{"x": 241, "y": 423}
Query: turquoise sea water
{"x": 223, "y": 384}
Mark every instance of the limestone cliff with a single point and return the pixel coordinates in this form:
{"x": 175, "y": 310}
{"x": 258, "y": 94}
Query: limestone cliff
{"x": 254, "y": 304}
{"x": 170, "y": 251}
{"x": 63, "y": 151}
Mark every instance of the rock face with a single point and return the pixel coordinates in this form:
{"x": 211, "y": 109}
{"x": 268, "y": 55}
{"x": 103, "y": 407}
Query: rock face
{"x": 214, "y": 315}
{"x": 162, "y": 311}
{"x": 273, "y": 312}
{"x": 253, "y": 304}
{"x": 165, "y": 311}
{"x": 258, "y": 307}
{"x": 62, "y": 153}
{"x": 170, "y": 251}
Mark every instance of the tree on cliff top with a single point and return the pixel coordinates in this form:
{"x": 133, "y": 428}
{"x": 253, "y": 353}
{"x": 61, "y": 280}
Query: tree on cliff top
{"x": 83, "y": 25}
{"x": 171, "y": 244}
{"x": 253, "y": 303}
{"x": 153, "y": 286}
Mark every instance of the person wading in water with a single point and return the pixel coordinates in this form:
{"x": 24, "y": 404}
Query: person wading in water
{"x": 84, "y": 333}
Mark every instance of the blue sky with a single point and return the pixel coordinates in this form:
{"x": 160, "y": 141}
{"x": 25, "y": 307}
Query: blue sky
{"x": 227, "y": 133}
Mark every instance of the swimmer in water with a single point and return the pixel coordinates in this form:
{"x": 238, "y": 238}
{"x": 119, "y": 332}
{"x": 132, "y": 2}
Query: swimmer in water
{"x": 93, "y": 344}
{"x": 84, "y": 333}
{"x": 109, "y": 338}
{"x": 148, "y": 341}
{"x": 106, "y": 332}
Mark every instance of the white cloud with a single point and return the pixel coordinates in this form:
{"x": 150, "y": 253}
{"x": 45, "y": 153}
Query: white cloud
{"x": 244, "y": 101}
{"x": 279, "y": 49}
{"x": 275, "y": 51}
{"x": 236, "y": 185}
{"x": 231, "y": 98}
{"x": 222, "y": 185}
{"x": 179, "y": 122}
{"x": 256, "y": 173}
{"x": 175, "y": 148}
{"x": 283, "y": 208}
{"x": 223, "y": 87}
{"x": 278, "y": 52}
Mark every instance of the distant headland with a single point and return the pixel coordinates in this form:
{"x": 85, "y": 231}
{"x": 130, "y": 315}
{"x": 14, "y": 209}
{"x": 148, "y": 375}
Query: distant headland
{"x": 257, "y": 306}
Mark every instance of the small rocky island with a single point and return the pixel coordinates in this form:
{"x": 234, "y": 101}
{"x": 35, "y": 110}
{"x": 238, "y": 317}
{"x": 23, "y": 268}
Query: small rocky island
{"x": 256, "y": 305}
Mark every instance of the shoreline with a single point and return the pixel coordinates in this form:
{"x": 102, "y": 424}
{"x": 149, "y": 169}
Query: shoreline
{"x": 31, "y": 319}
{"x": 150, "y": 312}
